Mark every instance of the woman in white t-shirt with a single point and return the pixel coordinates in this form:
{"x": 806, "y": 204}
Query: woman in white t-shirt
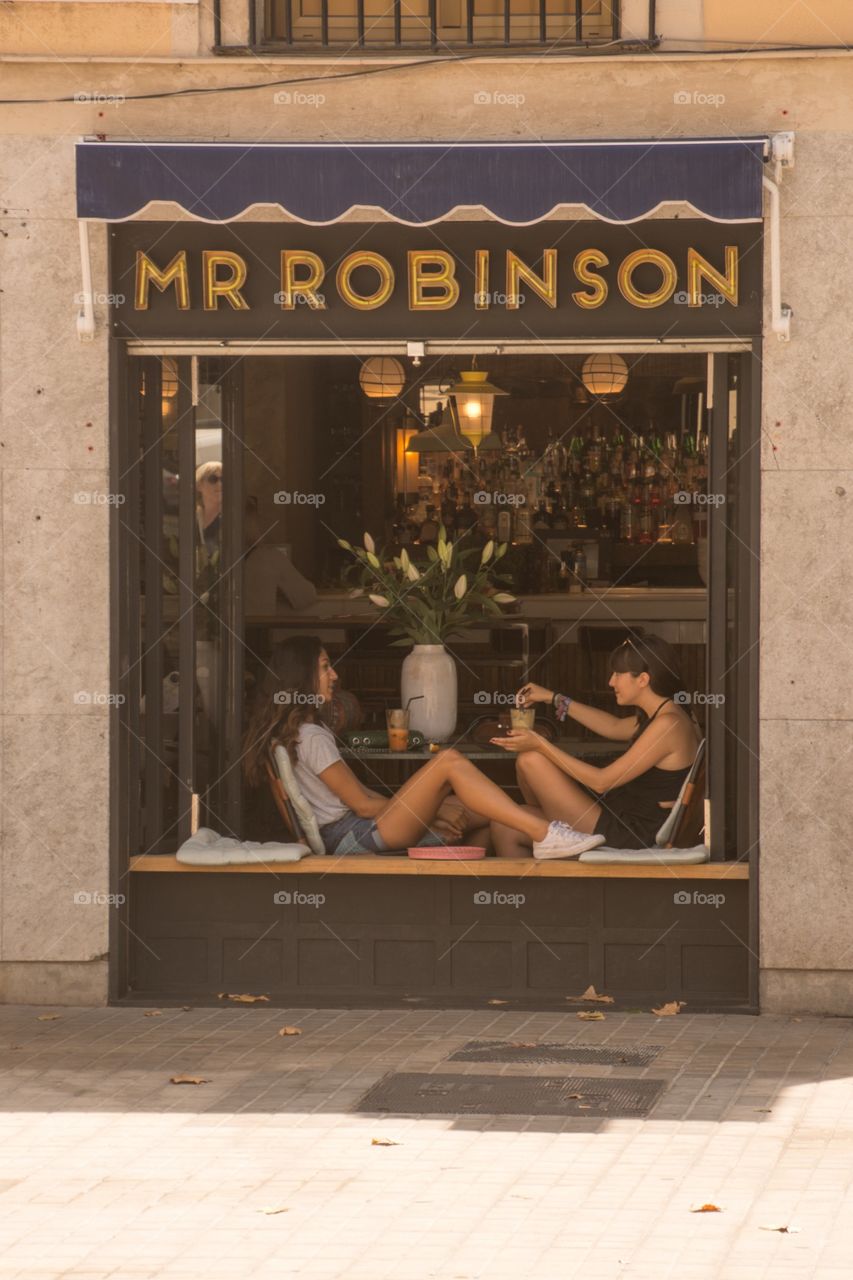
{"x": 447, "y": 799}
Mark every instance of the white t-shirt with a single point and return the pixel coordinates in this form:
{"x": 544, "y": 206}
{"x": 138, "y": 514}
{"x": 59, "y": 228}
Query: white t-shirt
{"x": 316, "y": 749}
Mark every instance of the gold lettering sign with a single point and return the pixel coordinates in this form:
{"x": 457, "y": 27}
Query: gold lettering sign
{"x": 545, "y": 287}
{"x": 586, "y": 259}
{"x": 668, "y": 272}
{"x": 433, "y": 280}
{"x": 421, "y": 278}
{"x": 383, "y": 268}
{"x": 699, "y": 268}
{"x": 214, "y": 288}
{"x": 305, "y": 288}
{"x": 482, "y": 300}
{"x": 148, "y": 273}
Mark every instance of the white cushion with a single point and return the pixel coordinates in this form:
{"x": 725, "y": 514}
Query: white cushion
{"x": 602, "y": 856}
{"x": 304, "y": 812}
{"x": 209, "y": 849}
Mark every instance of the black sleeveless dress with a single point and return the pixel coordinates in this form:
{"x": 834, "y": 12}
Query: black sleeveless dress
{"x": 631, "y": 815}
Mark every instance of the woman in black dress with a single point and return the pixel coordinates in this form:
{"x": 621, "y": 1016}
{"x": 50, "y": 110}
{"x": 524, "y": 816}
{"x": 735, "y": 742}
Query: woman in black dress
{"x": 626, "y": 801}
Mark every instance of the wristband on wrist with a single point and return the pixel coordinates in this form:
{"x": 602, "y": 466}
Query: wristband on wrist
{"x": 562, "y": 702}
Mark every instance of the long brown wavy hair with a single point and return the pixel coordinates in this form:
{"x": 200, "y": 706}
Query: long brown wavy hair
{"x": 284, "y": 700}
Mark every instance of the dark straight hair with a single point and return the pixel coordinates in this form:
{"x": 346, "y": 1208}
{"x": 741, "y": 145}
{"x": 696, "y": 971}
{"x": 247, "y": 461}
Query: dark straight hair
{"x": 640, "y": 652}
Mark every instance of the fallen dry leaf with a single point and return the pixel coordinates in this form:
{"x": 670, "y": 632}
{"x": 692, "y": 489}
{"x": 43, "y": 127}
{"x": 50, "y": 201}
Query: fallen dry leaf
{"x": 590, "y": 1015}
{"x": 272, "y": 1209}
{"x": 383, "y": 1142}
{"x": 186, "y": 1008}
{"x": 188, "y": 1080}
{"x": 244, "y": 999}
{"x": 48, "y": 1017}
{"x": 592, "y": 994}
{"x": 496, "y": 1001}
{"x": 290, "y": 1031}
{"x": 766, "y": 1109}
{"x": 523, "y": 1044}
{"x": 786, "y": 1231}
{"x": 669, "y": 1010}
{"x": 153, "y": 1013}
{"x": 574, "y": 1095}
{"x": 705, "y": 1208}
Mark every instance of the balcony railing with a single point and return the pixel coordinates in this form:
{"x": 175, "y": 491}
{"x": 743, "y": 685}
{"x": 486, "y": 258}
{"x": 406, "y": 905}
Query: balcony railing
{"x": 359, "y": 26}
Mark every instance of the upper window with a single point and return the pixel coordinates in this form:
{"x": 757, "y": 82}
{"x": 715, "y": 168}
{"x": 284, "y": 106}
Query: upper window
{"x": 354, "y": 25}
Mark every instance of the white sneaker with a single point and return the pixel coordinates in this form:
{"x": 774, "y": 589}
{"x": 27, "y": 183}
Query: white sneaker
{"x": 562, "y": 841}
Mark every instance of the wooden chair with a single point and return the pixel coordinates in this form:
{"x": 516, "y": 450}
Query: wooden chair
{"x": 689, "y": 809}
{"x": 282, "y": 803}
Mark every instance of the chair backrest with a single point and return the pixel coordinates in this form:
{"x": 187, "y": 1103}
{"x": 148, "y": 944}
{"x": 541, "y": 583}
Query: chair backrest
{"x": 282, "y": 803}
{"x": 303, "y": 814}
{"x": 684, "y": 824}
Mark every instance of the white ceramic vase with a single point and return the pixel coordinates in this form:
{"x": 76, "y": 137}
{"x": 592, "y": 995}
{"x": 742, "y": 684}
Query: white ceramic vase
{"x": 430, "y": 671}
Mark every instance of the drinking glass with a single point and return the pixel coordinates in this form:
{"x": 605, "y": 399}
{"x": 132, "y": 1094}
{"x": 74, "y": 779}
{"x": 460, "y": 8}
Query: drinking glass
{"x": 397, "y": 722}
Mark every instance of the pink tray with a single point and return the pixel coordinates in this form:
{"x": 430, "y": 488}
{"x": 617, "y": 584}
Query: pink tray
{"x": 449, "y": 852}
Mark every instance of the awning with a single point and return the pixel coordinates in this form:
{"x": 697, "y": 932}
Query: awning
{"x": 417, "y": 184}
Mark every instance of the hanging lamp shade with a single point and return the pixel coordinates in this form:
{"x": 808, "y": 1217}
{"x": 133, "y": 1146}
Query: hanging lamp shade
{"x": 604, "y": 374}
{"x": 441, "y": 439}
{"x": 475, "y": 403}
{"x": 381, "y": 377}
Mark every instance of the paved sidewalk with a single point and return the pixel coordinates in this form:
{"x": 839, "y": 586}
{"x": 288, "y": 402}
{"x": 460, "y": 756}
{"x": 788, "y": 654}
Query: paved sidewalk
{"x": 108, "y": 1170}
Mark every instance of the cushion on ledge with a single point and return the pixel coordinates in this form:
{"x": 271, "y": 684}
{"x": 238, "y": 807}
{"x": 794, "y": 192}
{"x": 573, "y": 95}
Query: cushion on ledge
{"x": 209, "y": 849}
{"x": 602, "y": 856}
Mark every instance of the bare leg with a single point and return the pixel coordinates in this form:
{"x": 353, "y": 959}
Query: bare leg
{"x": 510, "y": 843}
{"x": 559, "y": 796}
{"x": 403, "y": 819}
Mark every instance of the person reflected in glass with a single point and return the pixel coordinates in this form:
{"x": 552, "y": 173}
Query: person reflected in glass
{"x": 208, "y": 504}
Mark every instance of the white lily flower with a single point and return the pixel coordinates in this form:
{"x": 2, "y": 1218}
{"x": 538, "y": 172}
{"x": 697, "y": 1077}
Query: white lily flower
{"x": 487, "y": 551}
{"x": 412, "y": 572}
{"x": 461, "y": 586}
{"x": 359, "y": 591}
{"x": 382, "y": 601}
{"x": 503, "y": 597}
{"x": 342, "y": 542}
{"x": 372, "y": 559}
{"x": 369, "y": 544}
{"x": 404, "y": 560}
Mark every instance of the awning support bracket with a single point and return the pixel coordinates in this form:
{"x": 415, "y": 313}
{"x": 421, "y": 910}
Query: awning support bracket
{"x": 86, "y": 314}
{"x": 782, "y": 157}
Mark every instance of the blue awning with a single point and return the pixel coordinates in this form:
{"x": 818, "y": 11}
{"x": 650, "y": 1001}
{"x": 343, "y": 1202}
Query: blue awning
{"x": 417, "y": 184}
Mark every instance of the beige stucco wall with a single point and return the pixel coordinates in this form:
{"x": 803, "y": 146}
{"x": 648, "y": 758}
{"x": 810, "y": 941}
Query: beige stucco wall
{"x": 54, "y": 434}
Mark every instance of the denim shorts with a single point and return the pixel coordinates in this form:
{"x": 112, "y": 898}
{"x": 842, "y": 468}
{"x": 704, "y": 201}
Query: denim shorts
{"x": 351, "y": 834}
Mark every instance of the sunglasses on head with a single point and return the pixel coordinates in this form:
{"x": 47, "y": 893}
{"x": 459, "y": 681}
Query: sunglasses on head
{"x": 213, "y": 478}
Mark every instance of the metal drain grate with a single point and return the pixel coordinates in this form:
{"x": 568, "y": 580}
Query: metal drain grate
{"x": 517, "y": 1051}
{"x": 418, "y": 1093}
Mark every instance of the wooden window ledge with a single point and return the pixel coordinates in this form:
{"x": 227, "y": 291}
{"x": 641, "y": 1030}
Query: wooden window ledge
{"x": 520, "y": 868}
